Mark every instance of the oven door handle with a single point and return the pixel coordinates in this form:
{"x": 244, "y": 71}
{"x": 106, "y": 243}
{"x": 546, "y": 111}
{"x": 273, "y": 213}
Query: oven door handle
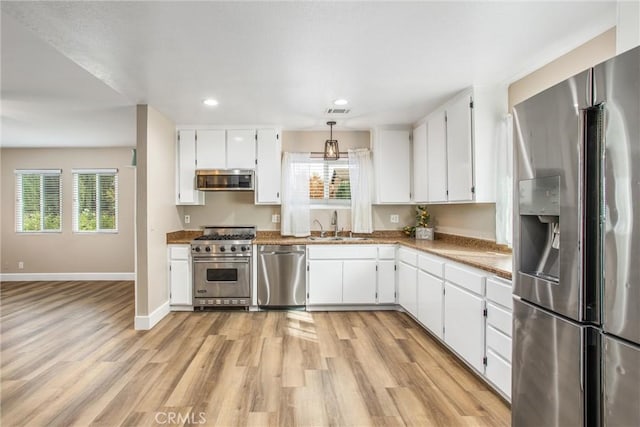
{"x": 244, "y": 260}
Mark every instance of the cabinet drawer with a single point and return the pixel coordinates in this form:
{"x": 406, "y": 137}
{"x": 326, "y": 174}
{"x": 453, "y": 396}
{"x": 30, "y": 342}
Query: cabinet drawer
{"x": 408, "y": 256}
{"x": 179, "y": 251}
{"x": 499, "y": 318}
{"x": 387, "y": 252}
{"x": 498, "y": 371}
{"x": 431, "y": 265}
{"x": 499, "y": 343}
{"x": 499, "y": 292}
{"x": 342, "y": 252}
{"x": 467, "y": 278}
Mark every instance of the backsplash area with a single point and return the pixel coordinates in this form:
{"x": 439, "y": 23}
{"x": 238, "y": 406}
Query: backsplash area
{"x": 233, "y": 208}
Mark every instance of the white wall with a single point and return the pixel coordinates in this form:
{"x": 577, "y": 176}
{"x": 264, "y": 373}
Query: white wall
{"x": 156, "y": 213}
{"x": 68, "y": 254}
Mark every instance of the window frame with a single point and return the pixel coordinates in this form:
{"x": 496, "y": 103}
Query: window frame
{"x": 19, "y": 200}
{"x": 76, "y": 214}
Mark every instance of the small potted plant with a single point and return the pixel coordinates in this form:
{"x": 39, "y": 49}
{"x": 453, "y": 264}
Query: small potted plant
{"x": 421, "y": 230}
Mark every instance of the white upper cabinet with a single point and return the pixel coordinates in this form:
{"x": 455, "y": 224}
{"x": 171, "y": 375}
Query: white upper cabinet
{"x": 420, "y": 169}
{"x": 459, "y": 150}
{"x": 437, "y": 157}
{"x": 230, "y": 149}
{"x": 461, "y": 144}
{"x": 268, "y": 167}
{"x": 392, "y": 166}
{"x": 241, "y": 149}
{"x": 186, "y": 193}
{"x": 211, "y": 149}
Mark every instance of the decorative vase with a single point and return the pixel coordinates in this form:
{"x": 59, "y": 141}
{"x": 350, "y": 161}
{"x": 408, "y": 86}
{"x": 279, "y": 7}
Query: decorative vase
{"x": 424, "y": 233}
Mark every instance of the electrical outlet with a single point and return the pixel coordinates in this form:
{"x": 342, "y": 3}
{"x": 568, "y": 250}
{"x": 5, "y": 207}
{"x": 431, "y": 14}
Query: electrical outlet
{"x": 20, "y": 265}
{"x": 275, "y": 218}
{"x": 394, "y": 219}
{"x": 187, "y": 219}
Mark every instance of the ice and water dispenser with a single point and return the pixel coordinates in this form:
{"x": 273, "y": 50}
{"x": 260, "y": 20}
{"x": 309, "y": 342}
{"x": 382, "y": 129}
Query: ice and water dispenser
{"x": 539, "y": 205}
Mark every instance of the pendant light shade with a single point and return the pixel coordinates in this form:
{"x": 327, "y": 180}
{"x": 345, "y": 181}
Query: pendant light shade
{"x": 331, "y": 150}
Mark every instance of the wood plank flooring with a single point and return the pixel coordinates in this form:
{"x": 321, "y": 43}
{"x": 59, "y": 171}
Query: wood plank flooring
{"x": 70, "y": 356}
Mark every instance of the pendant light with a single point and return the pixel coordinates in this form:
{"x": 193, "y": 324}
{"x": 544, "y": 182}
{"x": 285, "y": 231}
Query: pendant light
{"x": 331, "y": 150}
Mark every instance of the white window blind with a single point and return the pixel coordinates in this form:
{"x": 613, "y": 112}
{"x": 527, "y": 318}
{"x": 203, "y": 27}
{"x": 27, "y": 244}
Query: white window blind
{"x": 329, "y": 181}
{"x": 38, "y": 201}
{"x": 95, "y": 200}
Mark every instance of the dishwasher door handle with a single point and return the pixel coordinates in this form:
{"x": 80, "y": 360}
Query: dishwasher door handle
{"x": 281, "y": 253}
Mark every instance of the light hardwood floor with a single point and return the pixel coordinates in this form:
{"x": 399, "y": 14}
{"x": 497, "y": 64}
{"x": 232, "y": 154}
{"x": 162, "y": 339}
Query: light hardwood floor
{"x": 70, "y": 356}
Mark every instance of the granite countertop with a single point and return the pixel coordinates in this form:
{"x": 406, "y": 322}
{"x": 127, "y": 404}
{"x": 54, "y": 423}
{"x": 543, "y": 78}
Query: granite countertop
{"x": 482, "y": 254}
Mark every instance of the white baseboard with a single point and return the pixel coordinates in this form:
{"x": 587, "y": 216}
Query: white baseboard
{"x": 144, "y": 323}
{"x": 37, "y": 277}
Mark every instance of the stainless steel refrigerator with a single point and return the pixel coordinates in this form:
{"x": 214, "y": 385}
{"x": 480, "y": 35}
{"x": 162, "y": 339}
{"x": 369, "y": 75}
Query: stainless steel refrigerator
{"x": 576, "y": 320}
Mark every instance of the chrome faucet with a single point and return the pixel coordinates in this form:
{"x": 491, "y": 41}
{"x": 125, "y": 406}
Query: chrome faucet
{"x": 334, "y": 222}
{"x": 321, "y": 229}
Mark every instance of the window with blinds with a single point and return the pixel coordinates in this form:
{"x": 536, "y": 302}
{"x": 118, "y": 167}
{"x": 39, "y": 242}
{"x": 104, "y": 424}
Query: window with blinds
{"x": 329, "y": 182}
{"x": 38, "y": 201}
{"x": 95, "y": 200}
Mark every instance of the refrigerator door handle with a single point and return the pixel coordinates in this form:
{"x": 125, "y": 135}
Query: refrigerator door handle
{"x": 581, "y": 367}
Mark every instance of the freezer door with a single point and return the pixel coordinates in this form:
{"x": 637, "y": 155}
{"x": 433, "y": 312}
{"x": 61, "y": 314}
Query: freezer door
{"x": 618, "y": 87}
{"x": 621, "y": 378}
{"x": 547, "y": 385}
{"x": 548, "y": 134}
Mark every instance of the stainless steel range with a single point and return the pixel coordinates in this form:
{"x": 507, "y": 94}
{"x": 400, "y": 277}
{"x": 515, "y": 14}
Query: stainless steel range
{"x": 222, "y": 266}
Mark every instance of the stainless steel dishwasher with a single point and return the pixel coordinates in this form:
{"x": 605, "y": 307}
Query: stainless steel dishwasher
{"x": 282, "y": 278}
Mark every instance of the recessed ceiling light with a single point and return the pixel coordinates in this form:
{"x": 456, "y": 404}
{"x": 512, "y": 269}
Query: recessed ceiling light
{"x": 340, "y": 101}
{"x": 209, "y": 102}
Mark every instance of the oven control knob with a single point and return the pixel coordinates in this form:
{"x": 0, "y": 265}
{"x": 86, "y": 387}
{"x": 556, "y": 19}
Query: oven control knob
{"x": 233, "y": 248}
{"x": 208, "y": 249}
{"x": 222, "y": 249}
{"x": 197, "y": 248}
{"x": 243, "y": 248}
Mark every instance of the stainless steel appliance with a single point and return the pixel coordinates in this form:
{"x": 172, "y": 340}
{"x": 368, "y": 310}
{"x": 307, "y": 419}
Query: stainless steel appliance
{"x": 576, "y": 344}
{"x": 282, "y": 275}
{"x": 222, "y": 266}
{"x": 224, "y": 179}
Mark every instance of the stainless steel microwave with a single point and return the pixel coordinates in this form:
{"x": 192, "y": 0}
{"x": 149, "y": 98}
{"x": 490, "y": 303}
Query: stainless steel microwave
{"x": 224, "y": 179}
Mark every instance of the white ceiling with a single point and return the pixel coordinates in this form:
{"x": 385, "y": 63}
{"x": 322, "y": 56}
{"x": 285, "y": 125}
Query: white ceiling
{"x": 73, "y": 71}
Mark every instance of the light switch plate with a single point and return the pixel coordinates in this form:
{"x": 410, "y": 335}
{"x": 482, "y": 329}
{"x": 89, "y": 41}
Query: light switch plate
{"x": 275, "y": 218}
{"x": 394, "y": 219}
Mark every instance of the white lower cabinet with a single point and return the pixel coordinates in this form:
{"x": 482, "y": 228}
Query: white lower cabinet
{"x": 499, "y": 324}
{"x": 180, "y": 282}
{"x": 464, "y": 324}
{"x": 340, "y": 274}
{"x": 430, "y": 302}
{"x": 386, "y": 281}
{"x": 325, "y": 282}
{"x": 407, "y": 288}
{"x": 359, "y": 282}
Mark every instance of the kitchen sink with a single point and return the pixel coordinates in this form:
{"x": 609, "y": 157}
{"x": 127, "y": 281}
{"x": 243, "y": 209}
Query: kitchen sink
{"x": 337, "y": 239}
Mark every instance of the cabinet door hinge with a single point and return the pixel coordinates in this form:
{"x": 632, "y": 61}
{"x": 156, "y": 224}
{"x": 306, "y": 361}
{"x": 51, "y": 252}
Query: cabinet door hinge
{"x": 376, "y": 268}
{"x": 445, "y": 117}
{"x": 471, "y": 104}
{"x": 307, "y": 295}
{"x": 484, "y": 312}
{"x": 277, "y": 136}
{"x": 169, "y": 268}
{"x": 395, "y": 295}
{"x": 447, "y": 192}
{"x": 484, "y": 361}
{"x": 178, "y": 136}
{"x": 395, "y": 267}
{"x": 256, "y": 161}
{"x": 256, "y": 136}
{"x": 444, "y": 291}
{"x": 473, "y": 189}
{"x": 196, "y": 136}
{"x": 307, "y": 268}
{"x": 376, "y": 295}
